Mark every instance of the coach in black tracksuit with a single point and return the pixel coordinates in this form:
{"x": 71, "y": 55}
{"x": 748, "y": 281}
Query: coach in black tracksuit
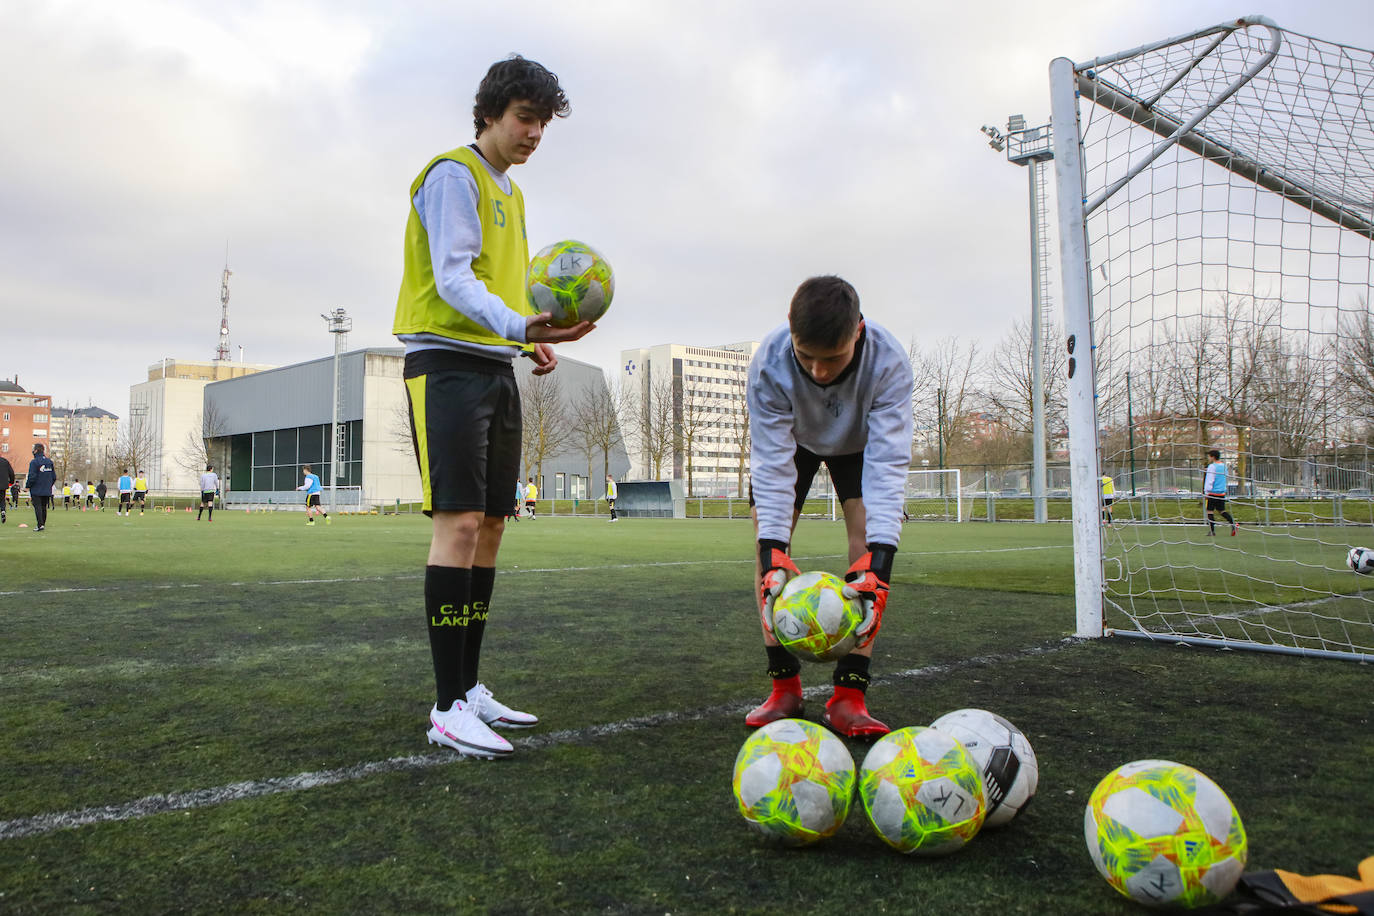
{"x": 40, "y": 481}
{"x": 6, "y": 481}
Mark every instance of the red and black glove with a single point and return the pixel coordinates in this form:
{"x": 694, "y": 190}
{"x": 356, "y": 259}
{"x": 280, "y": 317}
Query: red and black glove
{"x": 777, "y": 567}
{"x": 867, "y": 581}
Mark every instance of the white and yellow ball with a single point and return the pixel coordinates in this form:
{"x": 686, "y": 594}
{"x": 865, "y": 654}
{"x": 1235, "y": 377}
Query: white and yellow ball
{"x": 1164, "y": 834}
{"x": 794, "y": 782}
{"x": 922, "y": 791}
{"x": 571, "y": 281}
{"x": 814, "y": 620}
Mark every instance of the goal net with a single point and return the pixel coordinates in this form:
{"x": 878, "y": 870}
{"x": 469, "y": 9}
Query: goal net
{"x": 934, "y": 495}
{"x": 1216, "y": 212}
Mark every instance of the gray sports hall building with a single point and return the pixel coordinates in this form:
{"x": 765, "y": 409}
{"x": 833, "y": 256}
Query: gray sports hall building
{"x": 263, "y": 427}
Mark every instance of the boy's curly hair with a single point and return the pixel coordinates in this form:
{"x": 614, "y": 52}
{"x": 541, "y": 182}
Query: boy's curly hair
{"x": 518, "y": 78}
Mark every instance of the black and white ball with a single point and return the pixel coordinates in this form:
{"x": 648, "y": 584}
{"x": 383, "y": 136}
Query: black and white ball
{"x": 1002, "y": 753}
{"x": 1360, "y": 559}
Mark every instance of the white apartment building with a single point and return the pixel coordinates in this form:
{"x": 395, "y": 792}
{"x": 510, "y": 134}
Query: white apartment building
{"x": 83, "y": 441}
{"x": 685, "y": 416}
{"x": 167, "y": 412}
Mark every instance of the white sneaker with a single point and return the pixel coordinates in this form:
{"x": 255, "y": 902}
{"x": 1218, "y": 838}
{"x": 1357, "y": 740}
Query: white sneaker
{"x": 462, "y": 730}
{"x": 495, "y": 713}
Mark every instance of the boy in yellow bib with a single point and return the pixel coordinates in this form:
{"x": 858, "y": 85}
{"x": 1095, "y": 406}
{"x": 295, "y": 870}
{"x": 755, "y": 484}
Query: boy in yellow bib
{"x": 462, "y": 316}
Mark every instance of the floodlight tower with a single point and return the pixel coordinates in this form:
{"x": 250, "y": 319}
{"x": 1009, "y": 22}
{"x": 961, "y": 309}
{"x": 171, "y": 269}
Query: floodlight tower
{"x": 1030, "y": 146}
{"x": 222, "y": 351}
{"x": 339, "y": 325}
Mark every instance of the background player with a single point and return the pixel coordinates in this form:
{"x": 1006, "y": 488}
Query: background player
{"x": 141, "y": 492}
{"x": 463, "y": 316}
{"x": 42, "y": 477}
{"x": 126, "y": 494}
{"x": 611, "y": 491}
{"x": 100, "y": 490}
{"x": 209, "y": 486}
{"x": 1108, "y": 497}
{"x": 312, "y": 488}
{"x": 6, "y": 482}
{"x": 828, "y": 387}
{"x": 531, "y": 497}
{"x": 1214, "y": 493}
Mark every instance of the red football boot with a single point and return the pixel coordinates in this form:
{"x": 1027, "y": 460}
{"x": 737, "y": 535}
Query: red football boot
{"x": 785, "y": 702}
{"x": 847, "y": 713}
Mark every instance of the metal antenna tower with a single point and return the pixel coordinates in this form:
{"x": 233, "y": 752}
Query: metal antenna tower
{"x": 222, "y": 351}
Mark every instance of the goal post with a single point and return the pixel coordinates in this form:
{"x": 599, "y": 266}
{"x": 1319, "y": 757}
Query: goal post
{"x": 934, "y": 494}
{"x": 1216, "y": 233}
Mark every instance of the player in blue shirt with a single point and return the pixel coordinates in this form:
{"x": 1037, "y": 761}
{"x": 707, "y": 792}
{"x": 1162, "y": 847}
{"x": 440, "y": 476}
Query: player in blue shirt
{"x": 1214, "y": 492}
{"x": 312, "y": 496}
{"x": 126, "y": 493}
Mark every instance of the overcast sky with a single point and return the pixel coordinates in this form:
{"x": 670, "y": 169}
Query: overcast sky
{"x": 718, "y": 153}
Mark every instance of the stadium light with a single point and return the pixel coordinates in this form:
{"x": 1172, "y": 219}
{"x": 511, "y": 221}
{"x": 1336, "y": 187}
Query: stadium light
{"x": 339, "y": 324}
{"x": 1030, "y": 146}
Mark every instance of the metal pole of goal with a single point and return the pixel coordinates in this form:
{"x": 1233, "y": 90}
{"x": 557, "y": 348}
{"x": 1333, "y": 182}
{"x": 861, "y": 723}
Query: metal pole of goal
{"x": 1073, "y": 261}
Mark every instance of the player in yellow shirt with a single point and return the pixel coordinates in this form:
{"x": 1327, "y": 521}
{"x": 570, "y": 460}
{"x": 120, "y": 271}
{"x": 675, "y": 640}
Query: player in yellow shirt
{"x": 66, "y": 496}
{"x": 1108, "y": 497}
{"x": 140, "y": 491}
{"x": 531, "y": 497}
{"x": 462, "y": 315}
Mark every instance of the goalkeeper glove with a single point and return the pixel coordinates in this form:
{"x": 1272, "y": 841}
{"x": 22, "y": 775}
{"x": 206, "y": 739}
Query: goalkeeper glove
{"x": 776, "y": 568}
{"x": 867, "y": 581}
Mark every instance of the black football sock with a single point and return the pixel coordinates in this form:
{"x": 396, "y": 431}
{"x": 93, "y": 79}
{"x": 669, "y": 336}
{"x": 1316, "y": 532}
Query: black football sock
{"x": 210, "y": 513}
{"x": 483, "y": 583}
{"x": 781, "y": 663}
{"x": 448, "y": 596}
{"x": 200, "y": 512}
{"x": 852, "y": 671}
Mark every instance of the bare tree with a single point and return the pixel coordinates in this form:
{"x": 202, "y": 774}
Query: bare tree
{"x": 596, "y": 417}
{"x": 945, "y": 391}
{"x": 696, "y": 417}
{"x": 1010, "y": 379}
{"x": 544, "y": 417}
{"x": 136, "y": 445}
{"x": 197, "y": 449}
{"x": 654, "y": 424}
{"x": 1355, "y": 361}
{"x": 1291, "y": 403}
{"x": 734, "y": 422}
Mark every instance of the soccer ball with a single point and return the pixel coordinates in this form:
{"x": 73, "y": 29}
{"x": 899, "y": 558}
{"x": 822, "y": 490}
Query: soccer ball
{"x": 814, "y": 620}
{"x": 922, "y": 791}
{"x": 1360, "y": 559}
{"x": 572, "y": 281}
{"x": 1002, "y": 753}
{"x": 794, "y": 782}
{"x": 1163, "y": 834}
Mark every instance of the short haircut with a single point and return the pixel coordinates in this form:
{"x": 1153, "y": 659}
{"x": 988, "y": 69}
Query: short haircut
{"x": 305, "y": 468}
{"x": 1214, "y": 453}
{"x": 824, "y": 312}
{"x": 518, "y": 78}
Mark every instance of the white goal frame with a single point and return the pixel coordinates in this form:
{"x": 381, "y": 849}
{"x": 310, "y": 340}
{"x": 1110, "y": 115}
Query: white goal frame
{"x": 1143, "y": 106}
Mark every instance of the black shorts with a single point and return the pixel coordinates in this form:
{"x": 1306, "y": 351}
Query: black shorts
{"x": 207, "y": 496}
{"x": 1216, "y": 503}
{"x": 139, "y": 496}
{"x": 846, "y": 475}
{"x": 125, "y": 498}
{"x": 465, "y": 426}
{"x": 1108, "y": 500}
{"x": 312, "y": 499}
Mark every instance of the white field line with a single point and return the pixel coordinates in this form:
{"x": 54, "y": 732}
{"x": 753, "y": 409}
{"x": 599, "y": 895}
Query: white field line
{"x": 507, "y": 571}
{"x": 40, "y": 824}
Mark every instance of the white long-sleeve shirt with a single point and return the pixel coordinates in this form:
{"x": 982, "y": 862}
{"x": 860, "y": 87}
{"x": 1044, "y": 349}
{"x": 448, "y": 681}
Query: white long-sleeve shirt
{"x": 866, "y": 409}
{"x": 447, "y": 205}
